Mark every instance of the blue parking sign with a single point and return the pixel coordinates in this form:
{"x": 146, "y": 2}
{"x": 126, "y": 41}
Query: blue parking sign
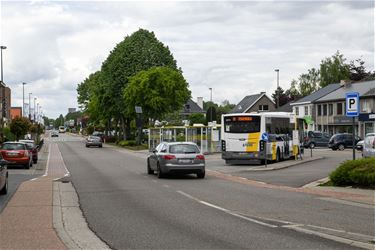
{"x": 352, "y": 104}
{"x": 264, "y": 136}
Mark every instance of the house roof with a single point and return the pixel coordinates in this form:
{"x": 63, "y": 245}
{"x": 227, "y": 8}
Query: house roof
{"x": 363, "y": 88}
{"x": 317, "y": 94}
{"x": 285, "y": 108}
{"x": 191, "y": 107}
{"x": 247, "y": 102}
{"x": 371, "y": 92}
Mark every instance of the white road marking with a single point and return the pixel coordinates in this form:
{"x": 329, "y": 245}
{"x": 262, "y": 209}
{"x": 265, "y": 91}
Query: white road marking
{"x": 166, "y": 186}
{"x": 226, "y": 210}
{"x": 33, "y": 179}
{"x": 66, "y": 170}
{"x": 49, "y": 154}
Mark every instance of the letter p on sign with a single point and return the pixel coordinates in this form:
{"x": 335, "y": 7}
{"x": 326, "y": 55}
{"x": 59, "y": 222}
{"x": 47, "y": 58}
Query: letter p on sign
{"x": 352, "y": 104}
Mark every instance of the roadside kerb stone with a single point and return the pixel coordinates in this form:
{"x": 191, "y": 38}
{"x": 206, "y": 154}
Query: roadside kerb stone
{"x": 282, "y": 165}
{"x": 69, "y": 221}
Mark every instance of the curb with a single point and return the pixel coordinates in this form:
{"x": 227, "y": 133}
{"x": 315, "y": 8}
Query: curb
{"x": 294, "y": 163}
{"x": 316, "y": 183}
{"x": 68, "y": 220}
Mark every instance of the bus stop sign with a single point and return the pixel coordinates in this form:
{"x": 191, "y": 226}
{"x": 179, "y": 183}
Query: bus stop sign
{"x": 352, "y": 104}
{"x": 264, "y": 136}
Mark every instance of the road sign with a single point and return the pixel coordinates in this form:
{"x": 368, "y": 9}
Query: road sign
{"x": 264, "y": 136}
{"x": 352, "y": 104}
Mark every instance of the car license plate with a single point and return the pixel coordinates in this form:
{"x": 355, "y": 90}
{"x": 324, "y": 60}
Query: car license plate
{"x": 12, "y": 153}
{"x": 185, "y": 161}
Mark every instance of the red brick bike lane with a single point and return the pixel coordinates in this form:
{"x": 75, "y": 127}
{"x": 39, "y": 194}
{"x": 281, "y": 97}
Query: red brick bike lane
{"x": 27, "y": 220}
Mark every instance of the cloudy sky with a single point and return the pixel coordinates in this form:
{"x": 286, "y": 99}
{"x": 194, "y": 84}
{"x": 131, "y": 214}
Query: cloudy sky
{"x": 233, "y": 47}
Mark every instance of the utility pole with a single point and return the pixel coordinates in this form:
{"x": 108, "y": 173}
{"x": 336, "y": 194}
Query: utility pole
{"x": 277, "y": 89}
{"x": 34, "y": 109}
{"x": 23, "y": 99}
{"x": 30, "y": 106}
{"x": 211, "y": 103}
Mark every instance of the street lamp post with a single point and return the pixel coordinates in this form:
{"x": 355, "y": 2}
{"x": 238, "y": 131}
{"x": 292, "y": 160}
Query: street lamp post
{"x": 34, "y": 109}
{"x": 23, "y": 99}
{"x": 3, "y": 111}
{"x": 211, "y": 103}
{"x": 277, "y": 89}
{"x": 30, "y": 106}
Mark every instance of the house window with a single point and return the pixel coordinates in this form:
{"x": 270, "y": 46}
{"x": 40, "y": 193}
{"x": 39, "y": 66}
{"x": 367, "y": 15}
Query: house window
{"x": 306, "y": 110}
{"x": 339, "y": 108}
{"x": 297, "y": 110}
{"x": 263, "y": 107}
{"x": 365, "y": 106}
{"x": 187, "y": 108}
{"x": 319, "y": 110}
{"x": 324, "y": 109}
{"x": 330, "y": 109}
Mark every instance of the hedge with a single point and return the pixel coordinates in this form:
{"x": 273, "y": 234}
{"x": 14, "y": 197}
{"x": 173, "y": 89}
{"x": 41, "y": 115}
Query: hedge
{"x": 359, "y": 172}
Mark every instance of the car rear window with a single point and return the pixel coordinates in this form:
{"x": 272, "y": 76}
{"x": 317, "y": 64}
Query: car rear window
{"x": 94, "y": 138}
{"x": 13, "y": 146}
{"x": 183, "y": 149}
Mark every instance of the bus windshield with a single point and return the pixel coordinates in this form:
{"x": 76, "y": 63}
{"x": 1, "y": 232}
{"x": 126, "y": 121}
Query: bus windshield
{"x": 242, "y": 124}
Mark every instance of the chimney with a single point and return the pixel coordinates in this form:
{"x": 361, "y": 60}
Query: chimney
{"x": 345, "y": 83}
{"x": 200, "y": 102}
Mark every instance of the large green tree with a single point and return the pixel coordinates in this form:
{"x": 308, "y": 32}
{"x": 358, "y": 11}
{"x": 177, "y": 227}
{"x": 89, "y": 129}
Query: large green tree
{"x": 334, "y": 69}
{"x": 159, "y": 90}
{"x": 19, "y": 126}
{"x": 137, "y": 52}
{"x": 308, "y": 82}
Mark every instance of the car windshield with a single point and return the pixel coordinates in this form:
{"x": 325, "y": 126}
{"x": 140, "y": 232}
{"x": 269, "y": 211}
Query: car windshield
{"x": 183, "y": 149}
{"x": 13, "y": 146}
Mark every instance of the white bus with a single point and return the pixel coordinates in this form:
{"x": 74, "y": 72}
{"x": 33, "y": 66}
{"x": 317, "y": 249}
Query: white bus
{"x": 241, "y": 137}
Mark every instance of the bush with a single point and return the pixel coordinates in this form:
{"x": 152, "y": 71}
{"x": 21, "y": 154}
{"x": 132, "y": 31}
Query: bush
{"x": 357, "y": 173}
{"x": 129, "y": 143}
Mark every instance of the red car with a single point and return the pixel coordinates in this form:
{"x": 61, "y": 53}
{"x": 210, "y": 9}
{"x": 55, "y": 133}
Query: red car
{"x": 33, "y": 149}
{"x": 16, "y": 153}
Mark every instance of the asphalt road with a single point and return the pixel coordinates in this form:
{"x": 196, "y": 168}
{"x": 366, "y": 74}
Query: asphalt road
{"x": 129, "y": 209}
{"x": 296, "y": 176}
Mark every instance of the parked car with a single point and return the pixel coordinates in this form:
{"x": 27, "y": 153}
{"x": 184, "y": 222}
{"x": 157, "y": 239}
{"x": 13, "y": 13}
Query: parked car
{"x": 54, "y": 133}
{"x": 342, "y": 141}
{"x": 94, "y": 141}
{"x": 62, "y": 129}
{"x": 359, "y": 145}
{"x": 369, "y": 146}
{"x": 16, "y": 153}
{"x": 3, "y": 176}
{"x": 176, "y": 157}
{"x": 313, "y": 139}
{"x": 33, "y": 149}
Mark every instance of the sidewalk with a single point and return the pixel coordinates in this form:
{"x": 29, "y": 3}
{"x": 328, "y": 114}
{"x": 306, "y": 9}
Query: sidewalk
{"x": 27, "y": 220}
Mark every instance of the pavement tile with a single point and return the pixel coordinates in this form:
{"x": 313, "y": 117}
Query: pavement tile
{"x": 40, "y": 198}
{"x": 33, "y": 186}
{"x": 25, "y": 238}
{"x": 31, "y": 218}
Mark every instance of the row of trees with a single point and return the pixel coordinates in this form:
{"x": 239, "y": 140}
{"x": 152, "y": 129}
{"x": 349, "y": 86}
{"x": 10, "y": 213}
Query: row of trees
{"x": 139, "y": 71}
{"x": 331, "y": 70}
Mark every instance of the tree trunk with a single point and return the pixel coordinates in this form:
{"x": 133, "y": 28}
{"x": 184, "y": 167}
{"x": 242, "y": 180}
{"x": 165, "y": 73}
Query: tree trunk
{"x": 127, "y": 128}
{"x": 123, "y": 127}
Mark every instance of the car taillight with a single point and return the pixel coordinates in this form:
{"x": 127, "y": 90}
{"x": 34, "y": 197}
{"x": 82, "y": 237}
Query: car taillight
{"x": 169, "y": 157}
{"x": 200, "y": 157}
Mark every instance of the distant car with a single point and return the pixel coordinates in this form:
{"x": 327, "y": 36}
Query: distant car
{"x": 176, "y": 157}
{"x": 342, "y": 141}
{"x": 3, "y": 176}
{"x": 313, "y": 139}
{"x": 54, "y": 133}
{"x": 33, "y": 149}
{"x": 359, "y": 145}
{"x": 94, "y": 141}
{"x": 369, "y": 146}
{"x": 16, "y": 153}
{"x": 61, "y": 129}
{"x": 99, "y": 134}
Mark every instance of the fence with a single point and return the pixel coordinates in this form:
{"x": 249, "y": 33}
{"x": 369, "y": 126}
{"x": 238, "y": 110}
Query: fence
{"x": 206, "y": 137}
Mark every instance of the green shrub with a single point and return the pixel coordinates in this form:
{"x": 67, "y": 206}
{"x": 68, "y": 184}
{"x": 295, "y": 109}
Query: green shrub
{"x": 129, "y": 143}
{"x": 357, "y": 172}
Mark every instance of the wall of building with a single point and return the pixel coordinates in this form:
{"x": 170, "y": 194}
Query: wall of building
{"x": 262, "y": 101}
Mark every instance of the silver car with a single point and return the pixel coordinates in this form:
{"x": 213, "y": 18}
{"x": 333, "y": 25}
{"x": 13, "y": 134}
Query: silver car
{"x": 369, "y": 146}
{"x": 176, "y": 157}
{"x": 94, "y": 141}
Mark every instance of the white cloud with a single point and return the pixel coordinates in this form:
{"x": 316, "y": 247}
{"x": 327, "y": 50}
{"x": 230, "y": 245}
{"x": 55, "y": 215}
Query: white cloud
{"x": 232, "y": 47}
